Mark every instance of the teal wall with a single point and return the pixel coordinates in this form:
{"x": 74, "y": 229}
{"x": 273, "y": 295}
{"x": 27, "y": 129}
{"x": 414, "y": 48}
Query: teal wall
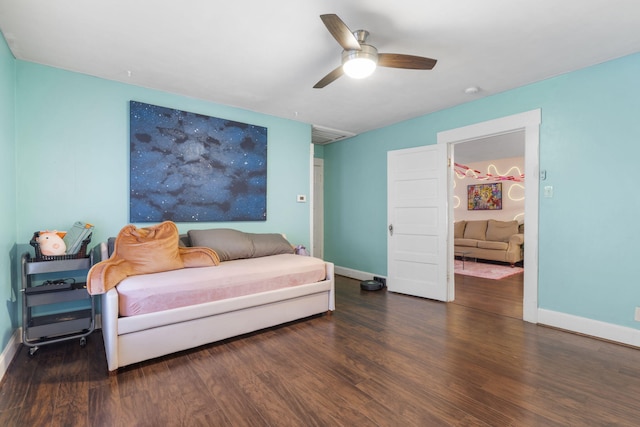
{"x": 318, "y": 151}
{"x": 65, "y": 150}
{"x": 589, "y": 146}
{"x": 8, "y": 291}
{"x": 72, "y": 144}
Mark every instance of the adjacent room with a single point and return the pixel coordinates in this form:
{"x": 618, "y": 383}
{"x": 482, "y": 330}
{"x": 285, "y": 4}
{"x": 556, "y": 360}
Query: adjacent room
{"x": 489, "y": 185}
{"x": 194, "y": 194}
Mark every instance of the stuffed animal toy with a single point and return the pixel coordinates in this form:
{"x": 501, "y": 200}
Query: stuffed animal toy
{"x": 146, "y": 250}
{"x": 51, "y": 243}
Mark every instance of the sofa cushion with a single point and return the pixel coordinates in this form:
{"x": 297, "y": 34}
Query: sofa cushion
{"x": 500, "y": 231}
{"x": 471, "y": 243}
{"x": 228, "y": 243}
{"x": 488, "y": 244}
{"x": 270, "y": 244}
{"x": 458, "y": 229}
{"x": 475, "y": 230}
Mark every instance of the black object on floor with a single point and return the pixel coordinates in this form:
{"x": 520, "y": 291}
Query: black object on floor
{"x": 371, "y": 285}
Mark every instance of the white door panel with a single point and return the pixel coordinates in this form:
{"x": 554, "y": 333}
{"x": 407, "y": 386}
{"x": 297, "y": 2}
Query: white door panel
{"x": 417, "y": 215}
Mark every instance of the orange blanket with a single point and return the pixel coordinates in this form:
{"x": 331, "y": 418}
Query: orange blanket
{"x": 146, "y": 250}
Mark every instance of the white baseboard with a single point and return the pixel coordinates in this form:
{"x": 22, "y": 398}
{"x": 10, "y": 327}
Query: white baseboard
{"x": 355, "y": 274}
{"x": 594, "y": 328}
{"x": 10, "y": 351}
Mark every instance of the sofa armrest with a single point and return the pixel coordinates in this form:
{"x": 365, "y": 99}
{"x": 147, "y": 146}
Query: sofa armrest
{"x": 516, "y": 239}
{"x": 515, "y": 250}
{"x": 515, "y": 245}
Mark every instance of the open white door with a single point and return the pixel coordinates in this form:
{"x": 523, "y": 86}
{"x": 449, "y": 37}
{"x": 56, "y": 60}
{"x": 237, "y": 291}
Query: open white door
{"x": 417, "y": 221}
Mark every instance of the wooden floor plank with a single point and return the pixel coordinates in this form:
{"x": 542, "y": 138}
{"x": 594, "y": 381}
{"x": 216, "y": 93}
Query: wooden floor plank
{"x": 382, "y": 359}
{"x": 15, "y": 387}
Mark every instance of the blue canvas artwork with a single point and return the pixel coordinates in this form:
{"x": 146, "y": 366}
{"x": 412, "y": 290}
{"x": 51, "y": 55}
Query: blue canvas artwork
{"x": 187, "y": 167}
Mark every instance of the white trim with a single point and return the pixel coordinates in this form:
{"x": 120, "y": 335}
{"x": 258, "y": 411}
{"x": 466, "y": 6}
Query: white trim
{"x": 10, "y": 351}
{"x": 318, "y": 221}
{"x": 594, "y": 328}
{"x": 311, "y": 194}
{"x": 530, "y": 122}
{"x": 354, "y": 274}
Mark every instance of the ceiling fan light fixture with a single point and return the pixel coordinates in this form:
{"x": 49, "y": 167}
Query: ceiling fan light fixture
{"x": 359, "y": 64}
{"x": 359, "y": 68}
{"x": 359, "y": 59}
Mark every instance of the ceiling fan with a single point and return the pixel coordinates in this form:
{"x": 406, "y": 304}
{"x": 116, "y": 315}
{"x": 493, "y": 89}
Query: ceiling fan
{"x": 360, "y": 59}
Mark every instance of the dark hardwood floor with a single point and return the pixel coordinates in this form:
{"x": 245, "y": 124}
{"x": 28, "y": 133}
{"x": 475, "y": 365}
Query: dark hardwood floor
{"x": 502, "y": 296}
{"x": 382, "y": 359}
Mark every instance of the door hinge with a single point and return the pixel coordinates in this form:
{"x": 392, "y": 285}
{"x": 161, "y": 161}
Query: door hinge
{"x": 449, "y": 162}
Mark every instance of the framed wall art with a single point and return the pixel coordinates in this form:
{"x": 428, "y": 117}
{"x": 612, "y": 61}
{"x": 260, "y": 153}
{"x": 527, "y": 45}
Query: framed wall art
{"x": 484, "y": 197}
{"x": 188, "y": 167}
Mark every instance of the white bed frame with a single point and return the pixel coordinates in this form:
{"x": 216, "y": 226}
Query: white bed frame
{"x": 133, "y": 339}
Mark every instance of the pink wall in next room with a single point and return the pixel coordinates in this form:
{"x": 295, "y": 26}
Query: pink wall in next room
{"x": 512, "y": 191}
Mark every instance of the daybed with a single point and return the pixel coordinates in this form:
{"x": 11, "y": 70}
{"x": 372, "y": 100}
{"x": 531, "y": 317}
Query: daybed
{"x": 259, "y": 283}
{"x": 489, "y": 239}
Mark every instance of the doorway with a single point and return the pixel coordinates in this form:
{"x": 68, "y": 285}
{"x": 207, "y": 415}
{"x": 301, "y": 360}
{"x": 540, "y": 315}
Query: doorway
{"x": 529, "y": 122}
{"x": 317, "y": 248}
{"x": 496, "y": 159}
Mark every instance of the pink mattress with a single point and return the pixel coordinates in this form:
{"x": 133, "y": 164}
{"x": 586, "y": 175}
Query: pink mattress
{"x": 149, "y": 293}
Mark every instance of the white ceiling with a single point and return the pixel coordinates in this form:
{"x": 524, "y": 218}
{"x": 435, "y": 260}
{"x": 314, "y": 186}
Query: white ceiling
{"x": 265, "y": 56}
{"x": 504, "y": 146}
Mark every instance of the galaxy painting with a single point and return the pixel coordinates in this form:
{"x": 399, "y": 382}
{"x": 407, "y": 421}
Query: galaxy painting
{"x": 187, "y": 167}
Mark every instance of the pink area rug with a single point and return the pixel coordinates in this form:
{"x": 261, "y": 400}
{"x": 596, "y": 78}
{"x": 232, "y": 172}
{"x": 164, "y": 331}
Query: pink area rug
{"x": 485, "y": 270}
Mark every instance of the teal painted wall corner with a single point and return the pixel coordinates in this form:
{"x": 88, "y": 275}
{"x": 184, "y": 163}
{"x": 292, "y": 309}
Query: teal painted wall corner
{"x": 588, "y": 146}
{"x": 8, "y": 212}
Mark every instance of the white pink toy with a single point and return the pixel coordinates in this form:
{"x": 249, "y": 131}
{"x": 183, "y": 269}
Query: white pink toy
{"x": 51, "y": 243}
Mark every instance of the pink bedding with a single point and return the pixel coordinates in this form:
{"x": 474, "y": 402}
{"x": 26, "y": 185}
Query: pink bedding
{"x": 149, "y": 293}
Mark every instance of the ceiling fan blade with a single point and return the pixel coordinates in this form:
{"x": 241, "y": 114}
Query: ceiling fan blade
{"x": 340, "y": 32}
{"x": 396, "y": 60}
{"x": 329, "y": 78}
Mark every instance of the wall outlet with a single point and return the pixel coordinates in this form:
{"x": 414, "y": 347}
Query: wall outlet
{"x": 301, "y": 198}
{"x": 381, "y": 280}
{"x": 637, "y": 316}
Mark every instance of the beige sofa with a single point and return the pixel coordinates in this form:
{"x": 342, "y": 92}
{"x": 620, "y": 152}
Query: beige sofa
{"x": 490, "y": 239}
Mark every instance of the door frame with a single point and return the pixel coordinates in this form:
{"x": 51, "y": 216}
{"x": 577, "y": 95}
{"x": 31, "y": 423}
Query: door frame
{"x": 317, "y": 210}
{"x": 528, "y": 121}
